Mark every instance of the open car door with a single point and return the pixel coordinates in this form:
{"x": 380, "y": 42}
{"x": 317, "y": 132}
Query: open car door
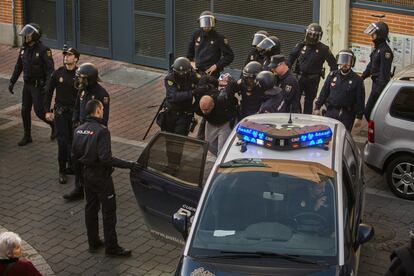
{"x": 170, "y": 179}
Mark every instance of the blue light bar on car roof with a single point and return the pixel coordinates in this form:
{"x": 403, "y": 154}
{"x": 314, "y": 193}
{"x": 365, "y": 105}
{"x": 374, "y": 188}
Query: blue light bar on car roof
{"x": 284, "y": 138}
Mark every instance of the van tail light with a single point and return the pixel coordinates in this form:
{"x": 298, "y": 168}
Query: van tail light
{"x": 371, "y": 131}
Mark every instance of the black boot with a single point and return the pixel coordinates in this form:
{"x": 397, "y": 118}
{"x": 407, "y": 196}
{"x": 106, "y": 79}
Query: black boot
{"x": 118, "y": 252}
{"x": 63, "y": 178}
{"x": 75, "y": 194}
{"x": 25, "y": 140}
{"x": 94, "y": 247}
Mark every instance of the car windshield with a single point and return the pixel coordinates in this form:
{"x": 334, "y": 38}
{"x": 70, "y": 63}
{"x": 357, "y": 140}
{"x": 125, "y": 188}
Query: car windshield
{"x": 274, "y": 206}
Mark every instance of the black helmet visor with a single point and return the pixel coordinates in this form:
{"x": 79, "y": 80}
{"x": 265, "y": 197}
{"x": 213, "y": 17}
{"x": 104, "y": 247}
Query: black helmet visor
{"x": 258, "y": 37}
{"x": 28, "y": 30}
{"x": 372, "y": 28}
{"x": 266, "y": 44}
{"x": 345, "y": 58}
{"x": 207, "y": 21}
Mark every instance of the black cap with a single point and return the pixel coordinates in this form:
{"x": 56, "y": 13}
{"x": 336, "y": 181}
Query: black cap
{"x": 275, "y": 60}
{"x": 72, "y": 51}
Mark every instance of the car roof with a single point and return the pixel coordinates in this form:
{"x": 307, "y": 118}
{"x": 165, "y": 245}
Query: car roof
{"x": 311, "y": 154}
{"x": 407, "y": 73}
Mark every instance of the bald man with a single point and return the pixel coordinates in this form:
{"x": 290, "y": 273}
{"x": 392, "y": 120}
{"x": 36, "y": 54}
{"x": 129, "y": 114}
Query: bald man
{"x": 216, "y": 112}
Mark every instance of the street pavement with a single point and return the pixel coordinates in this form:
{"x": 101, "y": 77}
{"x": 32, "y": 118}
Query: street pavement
{"x": 54, "y": 230}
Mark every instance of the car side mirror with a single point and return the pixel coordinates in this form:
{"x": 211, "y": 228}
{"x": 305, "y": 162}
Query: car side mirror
{"x": 180, "y": 221}
{"x": 365, "y": 233}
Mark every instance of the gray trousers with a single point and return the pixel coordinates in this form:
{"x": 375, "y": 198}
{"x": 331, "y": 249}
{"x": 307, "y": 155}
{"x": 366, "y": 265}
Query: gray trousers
{"x": 217, "y": 136}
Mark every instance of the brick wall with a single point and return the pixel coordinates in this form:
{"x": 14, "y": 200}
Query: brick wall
{"x": 360, "y": 18}
{"x": 6, "y": 11}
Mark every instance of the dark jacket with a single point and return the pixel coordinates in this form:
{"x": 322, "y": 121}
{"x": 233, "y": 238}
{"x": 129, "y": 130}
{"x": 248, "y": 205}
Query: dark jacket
{"x": 20, "y": 267}
{"x": 91, "y": 147}
{"x": 36, "y": 62}
{"x": 179, "y": 96}
{"x": 341, "y": 91}
{"x": 207, "y": 49}
{"x": 62, "y": 80}
{"x": 250, "y": 100}
{"x": 310, "y": 58}
{"x": 290, "y": 92}
{"x": 95, "y": 91}
{"x": 379, "y": 66}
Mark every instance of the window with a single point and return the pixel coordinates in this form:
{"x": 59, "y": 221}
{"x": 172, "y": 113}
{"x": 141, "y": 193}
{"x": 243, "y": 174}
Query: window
{"x": 179, "y": 159}
{"x": 403, "y": 105}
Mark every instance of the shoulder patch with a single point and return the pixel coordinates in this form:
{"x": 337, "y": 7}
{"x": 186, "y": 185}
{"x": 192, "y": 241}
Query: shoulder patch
{"x": 226, "y": 41}
{"x": 61, "y": 79}
{"x": 198, "y": 76}
{"x": 49, "y": 52}
{"x": 170, "y": 82}
{"x": 388, "y": 55}
{"x": 288, "y": 88}
{"x": 105, "y": 100}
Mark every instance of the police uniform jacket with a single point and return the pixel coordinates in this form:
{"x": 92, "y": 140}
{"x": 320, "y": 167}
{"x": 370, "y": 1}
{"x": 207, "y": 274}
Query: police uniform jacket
{"x": 290, "y": 91}
{"x": 179, "y": 97}
{"x": 379, "y": 67}
{"x": 250, "y": 100}
{"x": 310, "y": 58}
{"x": 207, "y": 49}
{"x": 254, "y": 55}
{"x": 36, "y": 62}
{"x": 343, "y": 91}
{"x": 94, "y": 91}
{"x": 62, "y": 80}
{"x": 92, "y": 148}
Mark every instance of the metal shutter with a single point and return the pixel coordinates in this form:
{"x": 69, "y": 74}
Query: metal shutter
{"x": 397, "y": 3}
{"x": 69, "y": 21}
{"x": 240, "y": 37}
{"x": 286, "y": 11}
{"x": 43, "y": 12}
{"x": 150, "y": 28}
{"x": 94, "y": 23}
{"x": 186, "y": 15}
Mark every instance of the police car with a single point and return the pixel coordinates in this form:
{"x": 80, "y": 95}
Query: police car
{"x": 284, "y": 197}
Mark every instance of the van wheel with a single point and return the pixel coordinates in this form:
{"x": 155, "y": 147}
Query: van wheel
{"x": 400, "y": 176}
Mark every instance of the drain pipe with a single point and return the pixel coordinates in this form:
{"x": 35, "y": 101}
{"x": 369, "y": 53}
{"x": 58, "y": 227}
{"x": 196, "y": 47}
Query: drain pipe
{"x": 331, "y": 25}
{"x": 14, "y": 23}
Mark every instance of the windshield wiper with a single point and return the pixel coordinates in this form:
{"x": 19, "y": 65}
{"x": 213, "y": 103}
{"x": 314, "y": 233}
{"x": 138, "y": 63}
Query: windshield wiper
{"x": 245, "y": 162}
{"x": 259, "y": 254}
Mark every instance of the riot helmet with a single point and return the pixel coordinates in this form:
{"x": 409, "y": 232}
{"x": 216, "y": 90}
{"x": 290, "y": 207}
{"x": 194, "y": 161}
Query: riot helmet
{"x": 265, "y": 80}
{"x": 380, "y": 29}
{"x": 86, "y": 75}
{"x": 345, "y": 60}
{"x": 250, "y": 72}
{"x": 30, "y": 32}
{"x": 181, "y": 69}
{"x": 313, "y": 34}
{"x": 258, "y": 37}
{"x": 269, "y": 46}
{"x": 207, "y": 20}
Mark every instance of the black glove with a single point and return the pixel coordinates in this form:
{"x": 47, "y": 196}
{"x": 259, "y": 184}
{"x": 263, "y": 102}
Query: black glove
{"x": 134, "y": 166}
{"x": 11, "y": 86}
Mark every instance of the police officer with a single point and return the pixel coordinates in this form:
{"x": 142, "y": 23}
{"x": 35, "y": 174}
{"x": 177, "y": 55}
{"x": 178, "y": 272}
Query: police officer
{"x": 343, "y": 93}
{"x": 379, "y": 66}
{"x": 63, "y": 81}
{"x": 310, "y": 56}
{"x": 402, "y": 259}
{"x": 273, "y": 102}
{"x": 252, "y": 95}
{"x": 86, "y": 82}
{"x": 92, "y": 150}
{"x": 36, "y": 62}
{"x": 287, "y": 82}
{"x": 255, "y": 53}
{"x": 269, "y": 47}
{"x": 180, "y": 84}
{"x": 209, "y": 51}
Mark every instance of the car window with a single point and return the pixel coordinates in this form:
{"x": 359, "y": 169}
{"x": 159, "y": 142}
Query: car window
{"x": 270, "y": 206}
{"x": 349, "y": 210}
{"x": 176, "y": 158}
{"x": 351, "y": 162}
{"x": 403, "y": 105}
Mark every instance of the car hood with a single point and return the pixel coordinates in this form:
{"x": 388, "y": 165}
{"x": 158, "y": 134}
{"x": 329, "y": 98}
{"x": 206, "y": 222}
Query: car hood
{"x": 195, "y": 267}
